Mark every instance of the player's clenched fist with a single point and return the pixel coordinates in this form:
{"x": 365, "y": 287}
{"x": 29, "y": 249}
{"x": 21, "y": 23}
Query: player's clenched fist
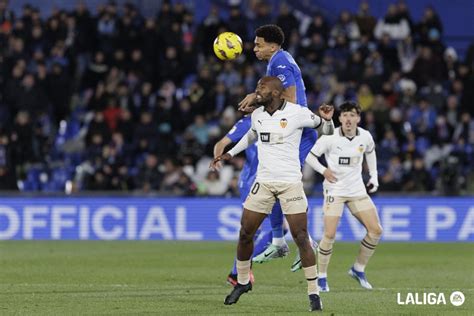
{"x": 215, "y": 163}
{"x": 326, "y": 111}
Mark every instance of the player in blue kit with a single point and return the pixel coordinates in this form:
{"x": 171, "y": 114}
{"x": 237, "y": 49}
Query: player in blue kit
{"x": 268, "y": 41}
{"x": 246, "y": 179}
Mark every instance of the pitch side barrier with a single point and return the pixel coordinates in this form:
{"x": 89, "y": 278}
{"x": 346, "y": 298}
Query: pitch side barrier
{"x": 146, "y": 218}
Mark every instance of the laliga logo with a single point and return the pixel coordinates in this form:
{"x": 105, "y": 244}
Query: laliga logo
{"x": 457, "y": 299}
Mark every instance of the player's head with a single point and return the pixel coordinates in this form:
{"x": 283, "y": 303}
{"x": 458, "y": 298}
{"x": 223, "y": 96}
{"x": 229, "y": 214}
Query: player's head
{"x": 349, "y": 115}
{"x": 268, "y": 39}
{"x": 268, "y": 89}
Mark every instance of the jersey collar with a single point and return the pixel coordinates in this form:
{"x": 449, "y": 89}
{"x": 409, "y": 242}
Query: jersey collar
{"x": 274, "y": 54}
{"x": 281, "y": 108}
{"x": 341, "y": 132}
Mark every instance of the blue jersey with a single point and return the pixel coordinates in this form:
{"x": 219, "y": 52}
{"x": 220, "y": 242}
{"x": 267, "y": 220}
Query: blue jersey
{"x": 283, "y": 66}
{"x": 249, "y": 171}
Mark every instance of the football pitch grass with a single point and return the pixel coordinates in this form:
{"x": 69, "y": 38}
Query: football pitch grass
{"x": 188, "y": 278}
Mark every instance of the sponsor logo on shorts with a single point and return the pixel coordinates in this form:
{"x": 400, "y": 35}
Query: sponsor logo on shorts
{"x": 294, "y": 199}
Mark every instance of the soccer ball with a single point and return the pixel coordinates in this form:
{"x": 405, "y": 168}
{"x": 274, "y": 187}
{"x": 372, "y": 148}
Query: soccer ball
{"x": 228, "y": 46}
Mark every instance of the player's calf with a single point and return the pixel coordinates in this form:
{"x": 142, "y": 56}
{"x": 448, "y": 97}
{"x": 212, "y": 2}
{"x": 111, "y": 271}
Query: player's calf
{"x": 296, "y": 265}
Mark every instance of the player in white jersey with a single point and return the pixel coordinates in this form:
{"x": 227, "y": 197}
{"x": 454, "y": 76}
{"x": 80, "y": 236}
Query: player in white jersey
{"x": 343, "y": 185}
{"x": 277, "y": 127}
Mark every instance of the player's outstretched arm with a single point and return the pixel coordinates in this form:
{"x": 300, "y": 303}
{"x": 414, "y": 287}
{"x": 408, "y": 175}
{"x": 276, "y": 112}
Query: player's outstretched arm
{"x": 219, "y": 150}
{"x": 248, "y": 139}
{"x": 326, "y": 112}
{"x": 248, "y": 104}
{"x": 217, "y": 160}
{"x": 322, "y": 121}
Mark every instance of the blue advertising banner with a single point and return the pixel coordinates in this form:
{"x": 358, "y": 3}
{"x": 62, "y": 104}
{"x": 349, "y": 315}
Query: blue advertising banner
{"x": 143, "y": 218}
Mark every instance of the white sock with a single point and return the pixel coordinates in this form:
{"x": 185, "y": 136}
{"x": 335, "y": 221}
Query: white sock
{"x": 280, "y": 241}
{"x": 323, "y": 275}
{"x": 243, "y": 272}
{"x": 358, "y": 267}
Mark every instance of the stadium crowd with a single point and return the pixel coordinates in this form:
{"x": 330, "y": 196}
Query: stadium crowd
{"x": 114, "y": 100}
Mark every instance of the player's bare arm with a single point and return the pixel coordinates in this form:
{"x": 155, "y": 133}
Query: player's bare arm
{"x": 218, "y": 159}
{"x": 248, "y": 104}
{"x": 219, "y": 150}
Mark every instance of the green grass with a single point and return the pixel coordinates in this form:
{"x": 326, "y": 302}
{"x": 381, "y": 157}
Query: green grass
{"x": 188, "y": 278}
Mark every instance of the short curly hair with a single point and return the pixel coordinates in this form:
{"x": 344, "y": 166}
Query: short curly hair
{"x": 271, "y": 33}
{"x": 348, "y": 106}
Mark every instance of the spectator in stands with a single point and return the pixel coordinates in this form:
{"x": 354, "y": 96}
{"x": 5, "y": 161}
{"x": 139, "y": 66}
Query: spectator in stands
{"x": 392, "y": 24}
{"x": 365, "y": 21}
{"x": 97, "y": 77}
{"x": 318, "y": 26}
{"x": 238, "y": 23}
{"x": 7, "y": 164}
{"x": 417, "y": 179}
{"x": 430, "y": 22}
{"x": 213, "y": 185}
{"x": 427, "y": 68}
{"x": 287, "y": 21}
{"x": 22, "y": 139}
{"x": 392, "y": 179}
{"x": 98, "y": 126}
{"x": 149, "y": 177}
{"x": 346, "y": 27}
{"x": 59, "y": 91}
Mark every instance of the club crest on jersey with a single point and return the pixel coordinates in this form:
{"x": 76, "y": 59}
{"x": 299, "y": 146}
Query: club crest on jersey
{"x": 361, "y": 148}
{"x": 283, "y": 122}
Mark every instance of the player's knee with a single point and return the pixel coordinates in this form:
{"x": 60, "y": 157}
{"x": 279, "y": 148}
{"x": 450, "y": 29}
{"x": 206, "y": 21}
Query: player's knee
{"x": 331, "y": 235}
{"x": 301, "y": 238}
{"x": 376, "y": 231}
{"x": 245, "y": 236}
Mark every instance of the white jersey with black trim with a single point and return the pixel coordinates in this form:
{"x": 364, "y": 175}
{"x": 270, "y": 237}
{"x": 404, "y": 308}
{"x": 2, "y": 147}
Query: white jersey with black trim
{"x": 278, "y": 142}
{"x": 344, "y": 156}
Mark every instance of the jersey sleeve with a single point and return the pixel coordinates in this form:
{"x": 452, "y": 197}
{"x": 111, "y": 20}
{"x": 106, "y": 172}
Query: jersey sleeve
{"x": 239, "y": 130}
{"x": 370, "y": 146}
{"x": 307, "y": 118}
{"x": 283, "y": 71}
{"x": 321, "y": 146}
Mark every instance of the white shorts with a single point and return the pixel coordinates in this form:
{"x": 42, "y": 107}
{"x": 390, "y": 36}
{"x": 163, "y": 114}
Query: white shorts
{"x": 334, "y": 205}
{"x": 263, "y": 196}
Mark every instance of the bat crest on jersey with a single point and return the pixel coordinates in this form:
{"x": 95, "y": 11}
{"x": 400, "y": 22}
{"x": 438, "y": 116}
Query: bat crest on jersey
{"x": 283, "y": 122}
